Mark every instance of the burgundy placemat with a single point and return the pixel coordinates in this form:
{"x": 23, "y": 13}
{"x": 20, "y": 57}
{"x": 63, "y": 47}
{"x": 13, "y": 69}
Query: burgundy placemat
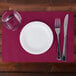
{"x": 13, "y": 52}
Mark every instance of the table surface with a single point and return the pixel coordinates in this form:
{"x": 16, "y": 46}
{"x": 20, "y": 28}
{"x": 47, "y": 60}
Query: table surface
{"x": 38, "y": 5}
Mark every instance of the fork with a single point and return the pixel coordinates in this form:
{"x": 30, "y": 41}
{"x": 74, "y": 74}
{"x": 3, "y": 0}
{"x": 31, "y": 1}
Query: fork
{"x": 57, "y": 30}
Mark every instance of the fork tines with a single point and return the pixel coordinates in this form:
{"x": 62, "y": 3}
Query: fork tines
{"x": 57, "y": 23}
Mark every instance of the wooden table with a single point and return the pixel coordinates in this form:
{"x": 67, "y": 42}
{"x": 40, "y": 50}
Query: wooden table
{"x": 37, "y": 5}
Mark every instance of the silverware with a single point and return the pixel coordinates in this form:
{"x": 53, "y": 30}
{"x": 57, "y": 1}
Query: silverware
{"x": 65, "y": 37}
{"x": 57, "y": 30}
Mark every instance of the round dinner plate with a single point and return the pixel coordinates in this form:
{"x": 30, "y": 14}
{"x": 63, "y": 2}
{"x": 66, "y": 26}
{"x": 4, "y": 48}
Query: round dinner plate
{"x": 36, "y": 37}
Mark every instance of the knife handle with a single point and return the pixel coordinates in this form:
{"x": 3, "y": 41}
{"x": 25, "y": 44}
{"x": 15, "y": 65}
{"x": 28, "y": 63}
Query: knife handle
{"x": 64, "y": 49}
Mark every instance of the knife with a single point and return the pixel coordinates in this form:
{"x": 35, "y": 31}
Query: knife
{"x": 65, "y": 37}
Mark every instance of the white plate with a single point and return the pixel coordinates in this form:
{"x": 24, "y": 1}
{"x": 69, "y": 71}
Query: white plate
{"x": 36, "y": 37}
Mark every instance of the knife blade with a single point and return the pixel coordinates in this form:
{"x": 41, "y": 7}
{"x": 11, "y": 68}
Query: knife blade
{"x": 65, "y": 37}
{"x": 66, "y": 24}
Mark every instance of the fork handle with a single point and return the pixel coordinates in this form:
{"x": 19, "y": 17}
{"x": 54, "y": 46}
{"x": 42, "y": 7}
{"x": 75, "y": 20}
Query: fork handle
{"x": 58, "y": 49}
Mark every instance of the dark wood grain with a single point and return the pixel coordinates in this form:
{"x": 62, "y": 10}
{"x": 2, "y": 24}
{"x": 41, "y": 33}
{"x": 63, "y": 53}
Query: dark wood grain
{"x": 62, "y": 1}
{"x": 25, "y": 74}
{"x": 38, "y": 67}
{"x": 37, "y": 74}
{"x": 32, "y": 7}
{"x": 38, "y": 7}
{"x": 3, "y": 0}
{"x": 27, "y": 1}
{"x": 24, "y": 67}
{"x": 41, "y": 1}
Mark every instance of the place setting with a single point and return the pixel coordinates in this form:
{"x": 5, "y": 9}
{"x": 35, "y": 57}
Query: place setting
{"x": 37, "y": 36}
